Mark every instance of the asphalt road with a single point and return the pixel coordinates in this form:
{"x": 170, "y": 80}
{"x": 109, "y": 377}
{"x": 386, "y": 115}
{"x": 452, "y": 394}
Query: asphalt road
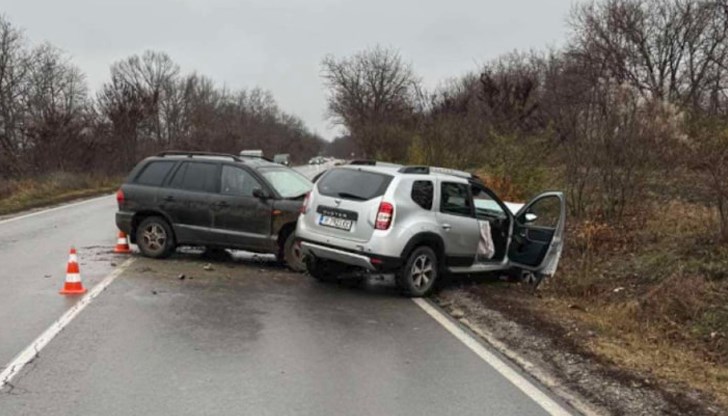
{"x": 33, "y": 256}
{"x": 246, "y": 337}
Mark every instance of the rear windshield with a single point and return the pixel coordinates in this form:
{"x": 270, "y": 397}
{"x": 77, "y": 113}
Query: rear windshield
{"x": 353, "y": 184}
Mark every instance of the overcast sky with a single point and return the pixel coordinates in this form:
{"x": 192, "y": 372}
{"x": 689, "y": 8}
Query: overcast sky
{"x": 278, "y": 45}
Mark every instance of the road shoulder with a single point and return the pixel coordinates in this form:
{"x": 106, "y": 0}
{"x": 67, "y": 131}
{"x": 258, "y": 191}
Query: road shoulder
{"x": 556, "y": 358}
{"x": 55, "y": 205}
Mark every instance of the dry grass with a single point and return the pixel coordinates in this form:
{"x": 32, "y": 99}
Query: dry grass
{"x": 655, "y": 292}
{"x": 19, "y": 195}
{"x": 649, "y": 349}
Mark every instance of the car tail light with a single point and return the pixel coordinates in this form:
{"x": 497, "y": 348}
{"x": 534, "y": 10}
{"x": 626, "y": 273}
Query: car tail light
{"x": 120, "y": 197}
{"x": 384, "y": 216}
{"x": 304, "y": 206}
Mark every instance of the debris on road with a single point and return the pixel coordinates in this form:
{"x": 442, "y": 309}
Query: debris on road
{"x": 181, "y": 276}
{"x": 208, "y": 267}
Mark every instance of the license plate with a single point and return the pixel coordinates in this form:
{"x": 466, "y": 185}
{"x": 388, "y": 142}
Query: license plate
{"x": 339, "y": 223}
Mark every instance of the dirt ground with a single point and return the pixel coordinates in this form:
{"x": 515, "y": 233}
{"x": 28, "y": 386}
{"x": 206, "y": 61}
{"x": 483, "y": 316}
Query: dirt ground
{"x": 559, "y": 350}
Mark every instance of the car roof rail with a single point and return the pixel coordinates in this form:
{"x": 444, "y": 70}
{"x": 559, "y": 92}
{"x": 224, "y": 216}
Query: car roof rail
{"x": 191, "y": 154}
{"x": 426, "y": 170}
{"x": 255, "y": 157}
{"x": 367, "y": 162}
{"x": 421, "y": 170}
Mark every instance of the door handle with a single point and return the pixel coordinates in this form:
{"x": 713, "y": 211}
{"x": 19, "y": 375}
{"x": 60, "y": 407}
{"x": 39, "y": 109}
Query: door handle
{"x": 221, "y": 204}
{"x": 446, "y": 227}
{"x": 168, "y": 198}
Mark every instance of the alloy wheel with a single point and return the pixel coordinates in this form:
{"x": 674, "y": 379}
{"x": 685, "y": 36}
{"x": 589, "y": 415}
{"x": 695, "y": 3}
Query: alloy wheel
{"x": 422, "y": 271}
{"x": 154, "y": 237}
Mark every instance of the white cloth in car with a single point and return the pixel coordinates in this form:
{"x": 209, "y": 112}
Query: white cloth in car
{"x": 486, "y": 249}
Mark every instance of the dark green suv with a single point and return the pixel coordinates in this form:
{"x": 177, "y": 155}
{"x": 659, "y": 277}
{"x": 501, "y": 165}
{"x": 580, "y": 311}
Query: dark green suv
{"x": 213, "y": 200}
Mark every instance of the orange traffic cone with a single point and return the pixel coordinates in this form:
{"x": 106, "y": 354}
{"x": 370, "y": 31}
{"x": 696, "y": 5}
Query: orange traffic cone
{"x": 122, "y": 244}
{"x": 73, "y": 285}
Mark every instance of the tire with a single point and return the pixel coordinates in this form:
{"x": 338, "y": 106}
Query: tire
{"x": 155, "y": 238}
{"x": 321, "y": 270}
{"x": 292, "y": 254}
{"x": 419, "y": 275}
{"x": 532, "y": 279}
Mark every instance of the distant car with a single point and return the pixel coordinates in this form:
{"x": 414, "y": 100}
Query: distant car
{"x": 252, "y": 153}
{"x": 420, "y": 222}
{"x": 283, "y": 159}
{"x": 213, "y": 200}
{"x": 318, "y": 160}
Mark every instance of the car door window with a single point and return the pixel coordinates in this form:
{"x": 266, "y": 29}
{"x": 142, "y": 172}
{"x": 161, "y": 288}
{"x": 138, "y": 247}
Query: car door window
{"x": 237, "y": 182}
{"x": 486, "y": 207}
{"x": 544, "y": 213}
{"x": 196, "y": 176}
{"x": 455, "y": 199}
{"x": 422, "y": 193}
{"x": 154, "y": 173}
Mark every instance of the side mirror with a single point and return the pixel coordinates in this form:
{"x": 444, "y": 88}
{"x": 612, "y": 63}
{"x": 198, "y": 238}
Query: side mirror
{"x": 530, "y": 217}
{"x": 260, "y": 194}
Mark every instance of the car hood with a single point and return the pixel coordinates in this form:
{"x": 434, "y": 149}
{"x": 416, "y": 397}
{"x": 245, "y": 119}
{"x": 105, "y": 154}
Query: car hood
{"x": 514, "y": 207}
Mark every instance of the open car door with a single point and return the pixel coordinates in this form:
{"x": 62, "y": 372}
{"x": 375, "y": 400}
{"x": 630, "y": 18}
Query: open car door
{"x": 538, "y": 232}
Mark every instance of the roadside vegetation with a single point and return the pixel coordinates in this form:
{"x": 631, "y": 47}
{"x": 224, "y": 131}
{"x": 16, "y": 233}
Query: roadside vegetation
{"x": 630, "y": 120}
{"x": 53, "y": 188}
{"x": 51, "y": 122}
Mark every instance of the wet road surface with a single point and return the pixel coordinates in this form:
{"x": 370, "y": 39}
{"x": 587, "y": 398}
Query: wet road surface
{"x": 245, "y": 337}
{"x": 248, "y": 337}
{"x": 33, "y": 256}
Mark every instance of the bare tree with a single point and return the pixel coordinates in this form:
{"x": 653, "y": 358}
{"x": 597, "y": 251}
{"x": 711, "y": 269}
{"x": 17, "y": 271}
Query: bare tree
{"x": 372, "y": 94}
{"x": 509, "y": 93}
{"x": 56, "y": 104}
{"x": 14, "y": 68}
{"x": 124, "y": 107}
{"x": 707, "y": 152}
{"x": 667, "y": 49}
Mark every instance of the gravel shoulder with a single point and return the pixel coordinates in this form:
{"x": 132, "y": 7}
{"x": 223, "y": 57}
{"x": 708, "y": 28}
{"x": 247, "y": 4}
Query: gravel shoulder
{"x": 556, "y": 351}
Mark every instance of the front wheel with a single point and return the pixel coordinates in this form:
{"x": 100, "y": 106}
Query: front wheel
{"x": 417, "y": 277}
{"x": 292, "y": 254}
{"x": 532, "y": 279}
{"x": 155, "y": 238}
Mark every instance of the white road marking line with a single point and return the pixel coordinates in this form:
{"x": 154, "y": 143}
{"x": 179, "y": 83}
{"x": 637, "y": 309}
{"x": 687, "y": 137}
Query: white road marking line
{"x": 543, "y": 400}
{"x": 45, "y": 211}
{"x": 31, "y": 352}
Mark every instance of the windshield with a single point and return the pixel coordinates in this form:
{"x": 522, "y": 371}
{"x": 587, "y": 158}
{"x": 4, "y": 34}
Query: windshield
{"x": 287, "y": 182}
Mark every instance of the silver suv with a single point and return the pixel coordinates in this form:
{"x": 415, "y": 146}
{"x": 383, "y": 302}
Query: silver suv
{"x": 420, "y": 222}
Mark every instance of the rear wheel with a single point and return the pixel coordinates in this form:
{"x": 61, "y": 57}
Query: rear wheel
{"x": 155, "y": 238}
{"x": 418, "y": 276}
